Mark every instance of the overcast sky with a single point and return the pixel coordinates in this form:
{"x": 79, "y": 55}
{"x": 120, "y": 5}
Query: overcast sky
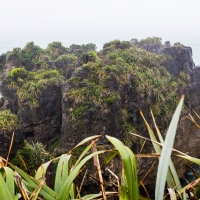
{"x": 99, "y": 19}
{"x": 99, "y": 15}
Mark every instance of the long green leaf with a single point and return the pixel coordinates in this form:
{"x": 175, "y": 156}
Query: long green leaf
{"x": 157, "y": 149}
{"x": 166, "y": 153}
{"x": 110, "y": 156}
{"x": 190, "y": 158}
{"x": 72, "y": 191}
{"x": 124, "y": 187}
{"x": 17, "y": 196}
{"x": 86, "y": 140}
{"x": 40, "y": 174}
{"x": 134, "y": 170}
{"x": 4, "y": 191}
{"x": 83, "y": 154}
{"x": 10, "y": 180}
{"x": 176, "y": 181}
{"x": 45, "y": 191}
{"x": 35, "y": 193}
{"x": 130, "y": 168}
{"x": 61, "y": 172}
{"x": 64, "y": 193}
{"x": 91, "y": 196}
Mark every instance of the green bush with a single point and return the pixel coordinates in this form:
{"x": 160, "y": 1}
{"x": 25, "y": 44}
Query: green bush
{"x": 112, "y": 56}
{"x": 75, "y": 47}
{"x": 151, "y": 40}
{"x": 8, "y": 120}
{"x": 111, "y": 68}
{"x": 33, "y": 155}
{"x": 116, "y": 43}
{"x": 93, "y": 55}
{"x": 125, "y": 45}
{"x": 67, "y": 58}
{"x": 28, "y": 85}
{"x": 89, "y": 47}
{"x": 79, "y": 111}
{"x": 31, "y": 55}
{"x": 55, "y": 49}
{"x": 111, "y": 99}
{"x": 17, "y": 73}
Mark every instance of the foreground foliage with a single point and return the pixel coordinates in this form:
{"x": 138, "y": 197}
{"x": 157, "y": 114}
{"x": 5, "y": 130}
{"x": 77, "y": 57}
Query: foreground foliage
{"x": 15, "y": 183}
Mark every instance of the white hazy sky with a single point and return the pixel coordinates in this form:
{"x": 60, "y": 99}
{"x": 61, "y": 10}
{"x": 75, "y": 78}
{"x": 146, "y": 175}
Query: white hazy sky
{"x": 175, "y": 20}
{"x": 99, "y": 15}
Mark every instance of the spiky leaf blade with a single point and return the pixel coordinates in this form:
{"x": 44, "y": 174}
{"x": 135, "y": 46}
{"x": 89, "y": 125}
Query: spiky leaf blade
{"x": 45, "y": 191}
{"x": 61, "y": 172}
{"x": 41, "y": 172}
{"x": 10, "y": 180}
{"x": 4, "y": 191}
{"x": 166, "y": 153}
{"x": 65, "y": 191}
{"x": 174, "y": 174}
{"x": 128, "y": 167}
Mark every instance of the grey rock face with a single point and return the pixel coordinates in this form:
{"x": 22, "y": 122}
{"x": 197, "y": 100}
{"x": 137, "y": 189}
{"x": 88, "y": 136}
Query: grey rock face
{"x": 8, "y": 63}
{"x": 180, "y": 59}
{"x": 41, "y": 123}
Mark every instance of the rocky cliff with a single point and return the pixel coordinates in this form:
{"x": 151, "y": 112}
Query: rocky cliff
{"x": 67, "y": 94}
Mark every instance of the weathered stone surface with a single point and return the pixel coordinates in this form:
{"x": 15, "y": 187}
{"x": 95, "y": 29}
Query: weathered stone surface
{"x": 181, "y": 59}
{"x": 8, "y": 63}
{"x": 40, "y": 123}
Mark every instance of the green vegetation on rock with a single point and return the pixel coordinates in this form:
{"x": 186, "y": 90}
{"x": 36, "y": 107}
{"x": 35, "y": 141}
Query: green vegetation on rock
{"x": 8, "y": 120}
{"x": 151, "y": 40}
{"x": 114, "y": 78}
{"x": 30, "y": 157}
{"x": 101, "y": 85}
{"x": 28, "y": 85}
{"x": 30, "y": 55}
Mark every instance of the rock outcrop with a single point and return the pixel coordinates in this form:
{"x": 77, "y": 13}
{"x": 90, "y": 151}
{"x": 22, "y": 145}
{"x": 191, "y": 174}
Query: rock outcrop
{"x": 102, "y": 93}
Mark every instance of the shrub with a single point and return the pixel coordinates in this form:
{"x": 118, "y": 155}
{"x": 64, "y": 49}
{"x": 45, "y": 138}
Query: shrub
{"x": 79, "y": 111}
{"x": 67, "y": 58}
{"x": 8, "y": 120}
{"x": 33, "y": 155}
{"x": 116, "y": 43}
{"x": 111, "y": 68}
{"x": 17, "y": 73}
{"x": 93, "y": 55}
{"x": 111, "y": 99}
{"x": 125, "y": 44}
{"x": 86, "y": 57}
{"x": 151, "y": 40}
{"x": 75, "y": 47}
{"x": 89, "y": 47}
{"x": 30, "y": 55}
{"x": 112, "y": 56}
{"x": 55, "y": 49}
